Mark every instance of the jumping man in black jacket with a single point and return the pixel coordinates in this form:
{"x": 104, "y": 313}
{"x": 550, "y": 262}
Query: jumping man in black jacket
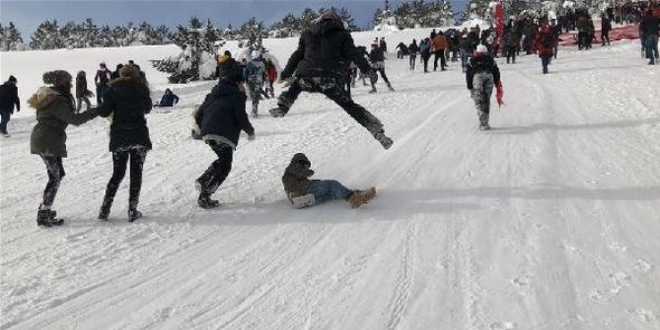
{"x": 320, "y": 64}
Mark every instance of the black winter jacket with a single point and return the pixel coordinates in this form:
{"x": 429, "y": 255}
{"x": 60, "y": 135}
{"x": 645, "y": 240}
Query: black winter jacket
{"x": 413, "y": 48}
{"x": 325, "y": 50}
{"x": 9, "y": 97}
{"x": 128, "y": 100}
{"x": 222, "y": 116}
{"x": 376, "y": 55}
{"x": 650, "y": 25}
{"x": 481, "y": 63}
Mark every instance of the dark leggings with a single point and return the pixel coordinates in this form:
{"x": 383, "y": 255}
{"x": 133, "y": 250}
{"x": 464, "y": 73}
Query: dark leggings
{"x": 216, "y": 174}
{"x": 119, "y": 162}
{"x": 55, "y": 175}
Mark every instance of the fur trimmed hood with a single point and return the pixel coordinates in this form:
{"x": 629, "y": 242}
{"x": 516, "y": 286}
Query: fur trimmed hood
{"x": 43, "y": 97}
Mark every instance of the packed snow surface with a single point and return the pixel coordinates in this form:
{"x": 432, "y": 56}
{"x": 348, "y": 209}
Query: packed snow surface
{"x": 548, "y": 222}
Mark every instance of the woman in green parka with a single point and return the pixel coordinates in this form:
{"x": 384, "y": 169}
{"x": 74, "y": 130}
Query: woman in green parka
{"x": 55, "y": 111}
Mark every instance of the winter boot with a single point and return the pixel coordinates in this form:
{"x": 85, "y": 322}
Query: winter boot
{"x": 104, "y": 212}
{"x": 358, "y": 198}
{"x": 373, "y": 90}
{"x": 47, "y": 218}
{"x": 204, "y": 201}
{"x": 277, "y": 112}
{"x": 483, "y": 121}
{"x": 134, "y": 214}
{"x": 255, "y": 111}
{"x": 390, "y": 88}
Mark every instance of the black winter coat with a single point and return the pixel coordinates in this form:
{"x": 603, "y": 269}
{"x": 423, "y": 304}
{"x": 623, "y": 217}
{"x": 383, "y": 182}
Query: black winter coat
{"x": 376, "y": 55}
{"x": 222, "y": 116}
{"x": 9, "y": 97}
{"x": 481, "y": 63}
{"x": 650, "y": 25}
{"x": 413, "y": 48}
{"x": 128, "y": 100}
{"x": 325, "y": 50}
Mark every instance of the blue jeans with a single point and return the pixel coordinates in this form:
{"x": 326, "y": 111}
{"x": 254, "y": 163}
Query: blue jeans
{"x": 4, "y": 121}
{"x": 325, "y": 190}
{"x": 651, "y": 44}
{"x": 545, "y": 61}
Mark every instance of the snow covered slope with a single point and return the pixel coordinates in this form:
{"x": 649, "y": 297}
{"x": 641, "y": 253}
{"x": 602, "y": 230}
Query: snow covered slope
{"x": 548, "y": 222}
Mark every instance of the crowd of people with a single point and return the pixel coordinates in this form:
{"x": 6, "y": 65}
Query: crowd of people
{"x": 326, "y": 61}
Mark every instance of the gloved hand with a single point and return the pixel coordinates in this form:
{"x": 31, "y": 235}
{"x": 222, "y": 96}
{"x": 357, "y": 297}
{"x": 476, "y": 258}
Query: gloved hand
{"x": 500, "y": 93}
{"x": 251, "y": 137}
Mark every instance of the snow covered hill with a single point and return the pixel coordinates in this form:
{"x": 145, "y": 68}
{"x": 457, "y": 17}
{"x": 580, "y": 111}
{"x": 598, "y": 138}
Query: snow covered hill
{"x": 548, "y": 222}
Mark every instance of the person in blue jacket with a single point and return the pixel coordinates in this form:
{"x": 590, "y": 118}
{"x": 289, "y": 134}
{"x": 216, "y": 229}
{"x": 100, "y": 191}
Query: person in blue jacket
{"x": 169, "y": 99}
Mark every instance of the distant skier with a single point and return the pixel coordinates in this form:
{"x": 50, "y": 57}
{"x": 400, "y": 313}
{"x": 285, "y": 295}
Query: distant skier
{"x": 255, "y": 70}
{"x": 320, "y": 63}
{"x": 8, "y": 99}
{"x": 221, "y": 118}
{"x": 545, "y": 43}
{"x": 303, "y": 192}
{"x": 55, "y": 111}
{"x": 482, "y": 73}
{"x": 82, "y": 93}
{"x": 127, "y": 100}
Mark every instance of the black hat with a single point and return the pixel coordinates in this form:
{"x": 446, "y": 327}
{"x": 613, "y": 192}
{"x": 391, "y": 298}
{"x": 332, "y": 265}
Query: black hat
{"x": 230, "y": 70}
{"x": 57, "y": 78}
{"x": 12, "y": 79}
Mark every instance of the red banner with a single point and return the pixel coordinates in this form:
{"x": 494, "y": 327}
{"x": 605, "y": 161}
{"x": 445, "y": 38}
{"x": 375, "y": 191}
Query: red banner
{"x": 499, "y": 19}
{"x": 499, "y": 25}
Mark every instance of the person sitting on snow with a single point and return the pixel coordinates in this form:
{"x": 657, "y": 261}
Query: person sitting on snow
{"x": 169, "y": 99}
{"x": 303, "y": 192}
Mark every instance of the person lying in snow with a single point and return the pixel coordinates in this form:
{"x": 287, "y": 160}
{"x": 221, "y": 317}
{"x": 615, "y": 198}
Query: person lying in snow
{"x": 303, "y": 192}
{"x": 169, "y": 99}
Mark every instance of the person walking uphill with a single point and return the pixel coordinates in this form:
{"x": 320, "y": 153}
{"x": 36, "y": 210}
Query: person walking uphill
{"x": 482, "y": 73}
{"x": 377, "y": 59}
{"x": 320, "y": 62}
{"x": 127, "y": 100}
{"x": 221, "y": 119}
{"x": 8, "y": 98}
{"x": 55, "y": 111}
{"x": 303, "y": 192}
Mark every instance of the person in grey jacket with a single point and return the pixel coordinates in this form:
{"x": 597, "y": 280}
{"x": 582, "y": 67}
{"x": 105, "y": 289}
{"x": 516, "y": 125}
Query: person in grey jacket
{"x": 55, "y": 111}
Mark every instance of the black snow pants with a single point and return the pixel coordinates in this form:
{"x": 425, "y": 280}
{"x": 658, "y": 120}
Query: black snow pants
{"x": 55, "y": 174}
{"x": 120, "y": 159}
{"x": 332, "y": 88}
{"x": 216, "y": 174}
{"x": 439, "y": 54}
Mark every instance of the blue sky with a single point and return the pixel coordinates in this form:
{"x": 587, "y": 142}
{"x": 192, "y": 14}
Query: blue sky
{"x": 27, "y": 14}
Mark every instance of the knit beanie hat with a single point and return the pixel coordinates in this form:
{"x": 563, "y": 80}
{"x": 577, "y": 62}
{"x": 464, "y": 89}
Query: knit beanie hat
{"x": 57, "y": 78}
{"x": 482, "y": 49}
{"x": 230, "y": 70}
{"x": 12, "y": 79}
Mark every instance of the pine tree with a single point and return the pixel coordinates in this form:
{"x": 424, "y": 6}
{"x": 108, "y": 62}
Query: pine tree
{"x": 307, "y": 19}
{"x": 252, "y": 31}
{"x": 13, "y": 37}
{"x": 4, "y": 41}
{"x": 47, "y": 36}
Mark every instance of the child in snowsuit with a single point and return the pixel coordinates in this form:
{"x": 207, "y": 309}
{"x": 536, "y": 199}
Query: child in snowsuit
{"x": 221, "y": 118}
{"x": 303, "y": 192}
{"x": 55, "y": 111}
{"x": 254, "y": 75}
{"x": 127, "y": 100}
{"x": 544, "y": 43}
{"x": 481, "y": 74}
{"x": 271, "y": 71}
